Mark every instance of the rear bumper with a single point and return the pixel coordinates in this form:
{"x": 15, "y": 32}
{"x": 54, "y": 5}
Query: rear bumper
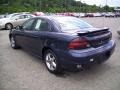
{"x": 71, "y": 59}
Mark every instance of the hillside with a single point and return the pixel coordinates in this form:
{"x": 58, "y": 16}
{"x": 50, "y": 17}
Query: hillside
{"x": 9, "y": 6}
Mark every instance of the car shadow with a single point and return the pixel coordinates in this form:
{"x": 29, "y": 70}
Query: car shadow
{"x": 93, "y": 71}
{"x": 36, "y": 58}
{"x": 3, "y": 30}
{"x": 33, "y": 57}
{"x": 86, "y": 74}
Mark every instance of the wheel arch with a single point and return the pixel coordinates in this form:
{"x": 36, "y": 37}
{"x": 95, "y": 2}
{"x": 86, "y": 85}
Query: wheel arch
{"x": 10, "y": 35}
{"x": 9, "y": 23}
{"x": 45, "y": 49}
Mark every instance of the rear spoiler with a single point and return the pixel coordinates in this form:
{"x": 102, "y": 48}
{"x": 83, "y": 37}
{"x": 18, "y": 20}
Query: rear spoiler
{"x": 92, "y": 32}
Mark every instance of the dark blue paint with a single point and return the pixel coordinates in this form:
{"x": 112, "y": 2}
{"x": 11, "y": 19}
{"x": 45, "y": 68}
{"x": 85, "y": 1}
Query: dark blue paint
{"x": 58, "y": 41}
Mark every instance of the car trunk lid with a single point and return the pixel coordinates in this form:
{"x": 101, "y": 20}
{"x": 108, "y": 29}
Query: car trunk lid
{"x": 96, "y": 37}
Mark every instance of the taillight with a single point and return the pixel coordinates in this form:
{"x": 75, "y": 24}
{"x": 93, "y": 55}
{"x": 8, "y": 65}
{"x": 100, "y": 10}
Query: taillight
{"x": 78, "y": 43}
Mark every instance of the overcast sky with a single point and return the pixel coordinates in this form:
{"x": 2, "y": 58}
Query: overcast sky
{"x": 102, "y": 2}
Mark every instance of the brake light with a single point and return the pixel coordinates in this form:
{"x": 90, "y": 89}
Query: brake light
{"x": 78, "y": 43}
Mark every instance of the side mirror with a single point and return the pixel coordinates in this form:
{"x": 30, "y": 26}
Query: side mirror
{"x": 19, "y": 27}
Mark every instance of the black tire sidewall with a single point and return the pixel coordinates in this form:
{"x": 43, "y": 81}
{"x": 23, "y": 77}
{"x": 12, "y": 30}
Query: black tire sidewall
{"x": 15, "y": 47}
{"x": 10, "y": 26}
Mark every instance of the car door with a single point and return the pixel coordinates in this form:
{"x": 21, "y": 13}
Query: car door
{"x": 15, "y": 20}
{"x": 22, "y": 35}
{"x": 37, "y": 35}
{"x": 21, "y": 20}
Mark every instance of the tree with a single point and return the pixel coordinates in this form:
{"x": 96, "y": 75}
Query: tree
{"x": 49, "y": 6}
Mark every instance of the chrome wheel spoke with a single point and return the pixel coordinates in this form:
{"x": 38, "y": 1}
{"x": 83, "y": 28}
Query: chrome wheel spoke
{"x": 51, "y": 67}
{"x": 50, "y": 61}
{"x": 54, "y": 64}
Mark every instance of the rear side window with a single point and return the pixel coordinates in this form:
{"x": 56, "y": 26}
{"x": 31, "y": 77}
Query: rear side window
{"x": 21, "y": 17}
{"x": 28, "y": 24}
{"x": 42, "y": 25}
{"x": 25, "y": 16}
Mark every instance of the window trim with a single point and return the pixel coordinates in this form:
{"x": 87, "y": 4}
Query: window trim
{"x": 40, "y": 30}
{"x": 31, "y": 28}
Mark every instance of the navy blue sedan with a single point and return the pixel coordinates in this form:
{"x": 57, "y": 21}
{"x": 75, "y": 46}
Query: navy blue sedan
{"x": 63, "y": 42}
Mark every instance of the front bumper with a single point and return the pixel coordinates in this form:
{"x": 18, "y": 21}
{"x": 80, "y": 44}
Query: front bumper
{"x": 90, "y": 56}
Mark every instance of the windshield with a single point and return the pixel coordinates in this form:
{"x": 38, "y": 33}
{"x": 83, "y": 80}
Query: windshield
{"x": 71, "y": 23}
{"x": 11, "y": 15}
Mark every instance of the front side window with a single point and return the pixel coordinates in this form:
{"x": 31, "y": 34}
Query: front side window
{"x": 15, "y": 17}
{"x": 42, "y": 25}
{"x": 28, "y": 24}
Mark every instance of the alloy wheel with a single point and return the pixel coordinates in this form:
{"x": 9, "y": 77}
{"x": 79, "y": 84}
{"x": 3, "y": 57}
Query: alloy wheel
{"x": 50, "y": 61}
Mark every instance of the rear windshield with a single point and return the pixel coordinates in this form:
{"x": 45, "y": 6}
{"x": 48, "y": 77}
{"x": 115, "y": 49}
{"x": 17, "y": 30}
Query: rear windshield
{"x": 71, "y": 23}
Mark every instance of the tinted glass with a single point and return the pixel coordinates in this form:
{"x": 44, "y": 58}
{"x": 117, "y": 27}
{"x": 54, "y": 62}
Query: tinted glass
{"x": 71, "y": 23}
{"x": 28, "y": 24}
{"x": 42, "y": 25}
{"x": 15, "y": 17}
{"x": 21, "y": 17}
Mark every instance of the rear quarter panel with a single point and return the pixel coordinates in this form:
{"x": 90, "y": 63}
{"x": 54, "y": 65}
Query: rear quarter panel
{"x": 56, "y": 41}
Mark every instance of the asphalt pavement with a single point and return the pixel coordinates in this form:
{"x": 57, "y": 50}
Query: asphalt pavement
{"x": 19, "y": 70}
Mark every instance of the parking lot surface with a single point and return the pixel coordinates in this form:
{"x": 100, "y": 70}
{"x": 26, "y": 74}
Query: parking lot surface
{"x": 19, "y": 70}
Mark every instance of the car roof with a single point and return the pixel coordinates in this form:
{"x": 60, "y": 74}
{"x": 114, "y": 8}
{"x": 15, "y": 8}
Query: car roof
{"x": 54, "y": 17}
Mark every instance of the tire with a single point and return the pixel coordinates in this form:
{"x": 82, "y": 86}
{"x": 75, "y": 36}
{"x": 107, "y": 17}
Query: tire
{"x": 52, "y": 63}
{"x": 8, "y": 26}
{"x": 13, "y": 43}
